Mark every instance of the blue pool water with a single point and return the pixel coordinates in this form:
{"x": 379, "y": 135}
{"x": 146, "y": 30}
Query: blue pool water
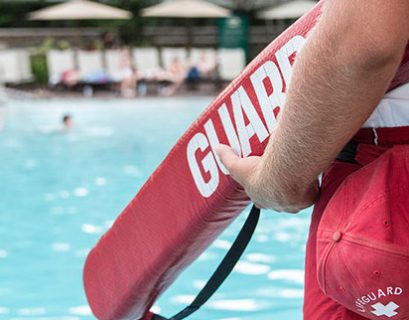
{"x": 60, "y": 192}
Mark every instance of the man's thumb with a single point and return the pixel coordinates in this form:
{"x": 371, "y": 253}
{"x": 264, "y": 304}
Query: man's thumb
{"x": 227, "y": 156}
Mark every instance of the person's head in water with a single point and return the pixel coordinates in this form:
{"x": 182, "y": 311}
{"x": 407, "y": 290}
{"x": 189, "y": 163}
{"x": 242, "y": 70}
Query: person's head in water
{"x": 67, "y": 122}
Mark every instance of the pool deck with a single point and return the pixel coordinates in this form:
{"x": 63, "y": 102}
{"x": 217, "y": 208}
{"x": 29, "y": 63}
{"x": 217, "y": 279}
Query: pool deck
{"x": 45, "y": 92}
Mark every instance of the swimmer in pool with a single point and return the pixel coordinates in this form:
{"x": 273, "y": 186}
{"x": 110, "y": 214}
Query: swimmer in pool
{"x": 67, "y": 123}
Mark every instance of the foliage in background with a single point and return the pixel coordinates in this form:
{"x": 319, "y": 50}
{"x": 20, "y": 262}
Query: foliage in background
{"x": 39, "y": 68}
{"x": 38, "y": 58}
{"x": 13, "y": 14}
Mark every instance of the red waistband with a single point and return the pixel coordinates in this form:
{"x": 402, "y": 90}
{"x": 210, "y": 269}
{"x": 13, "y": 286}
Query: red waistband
{"x": 383, "y": 136}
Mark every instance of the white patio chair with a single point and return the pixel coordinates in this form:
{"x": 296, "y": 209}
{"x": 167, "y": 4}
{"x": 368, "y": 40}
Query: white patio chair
{"x": 59, "y": 61}
{"x": 231, "y": 63}
{"x": 90, "y": 65}
{"x": 15, "y": 66}
{"x": 196, "y": 55}
{"x": 168, "y": 54}
{"x": 25, "y": 65}
{"x": 146, "y": 61}
{"x": 205, "y": 59}
{"x": 113, "y": 64}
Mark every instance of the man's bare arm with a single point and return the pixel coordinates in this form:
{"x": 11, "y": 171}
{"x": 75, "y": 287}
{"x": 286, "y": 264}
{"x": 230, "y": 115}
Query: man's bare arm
{"x": 338, "y": 79}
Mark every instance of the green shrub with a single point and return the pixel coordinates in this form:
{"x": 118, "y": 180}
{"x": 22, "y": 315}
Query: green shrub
{"x": 39, "y": 68}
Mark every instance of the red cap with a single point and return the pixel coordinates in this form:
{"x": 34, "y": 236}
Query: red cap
{"x": 363, "y": 239}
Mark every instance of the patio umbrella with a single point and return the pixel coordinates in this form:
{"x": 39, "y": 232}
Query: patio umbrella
{"x": 246, "y": 5}
{"x": 289, "y": 10}
{"x": 186, "y": 9}
{"x": 80, "y": 10}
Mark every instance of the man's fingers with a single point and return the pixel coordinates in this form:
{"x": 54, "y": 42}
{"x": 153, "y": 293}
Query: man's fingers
{"x": 240, "y": 169}
{"x": 232, "y": 162}
{"x": 227, "y": 156}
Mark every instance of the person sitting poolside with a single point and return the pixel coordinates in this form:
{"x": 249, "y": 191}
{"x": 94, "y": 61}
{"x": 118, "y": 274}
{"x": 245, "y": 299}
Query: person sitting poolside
{"x": 126, "y": 74}
{"x": 175, "y": 73}
{"x": 202, "y": 70}
{"x": 70, "y": 78}
{"x": 206, "y": 66}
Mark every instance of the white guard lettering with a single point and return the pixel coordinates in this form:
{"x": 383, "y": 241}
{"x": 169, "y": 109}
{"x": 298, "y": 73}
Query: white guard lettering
{"x": 380, "y": 309}
{"x": 242, "y": 103}
{"x": 199, "y": 142}
{"x": 283, "y": 55}
{"x": 268, "y": 102}
{"x": 230, "y": 133}
{"x": 214, "y": 142}
{"x": 229, "y": 129}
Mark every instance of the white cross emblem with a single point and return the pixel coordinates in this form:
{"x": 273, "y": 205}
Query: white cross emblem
{"x": 382, "y": 310}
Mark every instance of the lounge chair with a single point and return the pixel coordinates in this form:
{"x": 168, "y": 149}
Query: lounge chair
{"x": 205, "y": 60}
{"x": 146, "y": 61}
{"x": 231, "y": 63}
{"x": 15, "y": 66}
{"x": 113, "y": 64}
{"x": 196, "y": 55}
{"x": 91, "y": 68}
{"x": 59, "y": 62}
{"x": 169, "y": 54}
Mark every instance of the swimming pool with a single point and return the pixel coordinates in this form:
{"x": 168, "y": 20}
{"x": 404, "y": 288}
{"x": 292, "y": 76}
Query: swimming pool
{"x": 61, "y": 191}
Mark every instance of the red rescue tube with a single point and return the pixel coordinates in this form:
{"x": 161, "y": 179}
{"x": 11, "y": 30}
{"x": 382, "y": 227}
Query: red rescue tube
{"x": 188, "y": 201}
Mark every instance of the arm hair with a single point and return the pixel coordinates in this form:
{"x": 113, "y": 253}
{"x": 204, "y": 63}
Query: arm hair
{"x": 338, "y": 79}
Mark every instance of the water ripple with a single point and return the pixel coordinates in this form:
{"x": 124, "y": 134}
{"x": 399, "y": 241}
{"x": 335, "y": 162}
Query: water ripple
{"x": 260, "y": 257}
{"x": 100, "y": 181}
{"x": 32, "y": 311}
{"x": 80, "y": 311}
{"x": 222, "y": 244}
{"x": 183, "y": 299}
{"x": 294, "y": 275}
{"x": 4, "y": 310}
{"x": 91, "y": 229}
{"x": 251, "y": 268}
{"x": 61, "y": 247}
{"x": 81, "y": 192}
{"x": 3, "y": 254}
{"x": 237, "y": 305}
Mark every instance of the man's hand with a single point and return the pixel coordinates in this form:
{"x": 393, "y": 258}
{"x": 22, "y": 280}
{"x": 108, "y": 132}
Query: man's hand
{"x": 248, "y": 172}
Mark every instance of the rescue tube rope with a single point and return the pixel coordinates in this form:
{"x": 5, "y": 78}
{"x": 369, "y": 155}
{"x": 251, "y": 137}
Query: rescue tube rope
{"x": 224, "y": 269}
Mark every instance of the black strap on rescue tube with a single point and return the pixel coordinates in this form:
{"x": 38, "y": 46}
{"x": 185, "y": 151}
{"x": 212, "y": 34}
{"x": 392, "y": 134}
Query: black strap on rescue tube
{"x": 348, "y": 153}
{"x": 224, "y": 269}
